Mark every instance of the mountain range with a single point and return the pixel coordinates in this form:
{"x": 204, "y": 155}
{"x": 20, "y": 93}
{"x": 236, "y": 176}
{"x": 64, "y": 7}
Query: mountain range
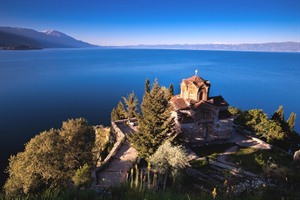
{"x": 24, "y": 38}
{"x": 268, "y": 47}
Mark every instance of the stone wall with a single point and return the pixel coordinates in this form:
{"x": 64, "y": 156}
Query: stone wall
{"x": 120, "y": 138}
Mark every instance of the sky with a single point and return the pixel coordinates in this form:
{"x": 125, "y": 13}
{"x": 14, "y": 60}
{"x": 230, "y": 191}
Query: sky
{"x": 134, "y": 22}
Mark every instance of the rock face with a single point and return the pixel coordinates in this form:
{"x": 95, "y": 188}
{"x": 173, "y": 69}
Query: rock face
{"x": 296, "y": 161}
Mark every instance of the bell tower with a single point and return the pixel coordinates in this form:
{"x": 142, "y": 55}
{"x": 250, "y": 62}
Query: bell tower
{"x": 194, "y": 88}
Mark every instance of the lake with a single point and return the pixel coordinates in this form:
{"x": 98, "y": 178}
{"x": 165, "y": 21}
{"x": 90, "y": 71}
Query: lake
{"x": 42, "y": 88}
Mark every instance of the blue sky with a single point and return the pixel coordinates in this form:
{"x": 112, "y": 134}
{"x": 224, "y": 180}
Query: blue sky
{"x": 132, "y": 22}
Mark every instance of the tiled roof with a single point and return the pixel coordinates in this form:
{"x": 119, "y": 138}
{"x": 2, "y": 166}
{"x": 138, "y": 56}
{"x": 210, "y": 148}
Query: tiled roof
{"x": 218, "y": 101}
{"x": 179, "y": 103}
{"x": 200, "y": 103}
{"x": 196, "y": 80}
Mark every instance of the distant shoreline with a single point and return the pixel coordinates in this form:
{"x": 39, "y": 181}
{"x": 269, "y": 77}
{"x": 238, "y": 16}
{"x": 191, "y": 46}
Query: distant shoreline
{"x": 22, "y": 47}
{"x": 260, "y": 47}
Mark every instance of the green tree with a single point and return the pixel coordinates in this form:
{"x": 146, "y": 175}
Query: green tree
{"x": 278, "y": 114}
{"x": 279, "y": 117}
{"x": 147, "y": 86}
{"x": 119, "y": 112}
{"x": 78, "y": 140}
{"x": 234, "y": 111}
{"x": 102, "y": 143}
{"x": 51, "y": 158}
{"x": 252, "y": 118}
{"x": 291, "y": 121}
{"x": 257, "y": 121}
{"x": 39, "y": 166}
{"x": 82, "y": 177}
{"x": 171, "y": 90}
{"x": 131, "y": 105}
{"x": 169, "y": 160}
{"x": 155, "y": 122}
{"x": 270, "y": 129}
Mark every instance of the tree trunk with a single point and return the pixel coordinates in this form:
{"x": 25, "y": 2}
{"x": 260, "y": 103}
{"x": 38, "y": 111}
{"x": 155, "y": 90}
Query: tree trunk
{"x": 165, "y": 180}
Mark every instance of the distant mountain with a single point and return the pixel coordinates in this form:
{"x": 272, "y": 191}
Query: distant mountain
{"x": 23, "y": 38}
{"x": 270, "y": 47}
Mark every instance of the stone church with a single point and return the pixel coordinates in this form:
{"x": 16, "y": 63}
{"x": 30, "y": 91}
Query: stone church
{"x": 200, "y": 118}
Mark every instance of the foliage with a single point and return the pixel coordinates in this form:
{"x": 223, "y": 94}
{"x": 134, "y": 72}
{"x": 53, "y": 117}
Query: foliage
{"x": 256, "y": 160}
{"x": 279, "y": 114}
{"x": 119, "y": 112}
{"x": 82, "y": 177}
{"x": 275, "y": 130}
{"x": 124, "y": 192}
{"x": 102, "y": 142}
{"x": 51, "y": 158}
{"x": 169, "y": 159}
{"x": 234, "y": 111}
{"x": 61, "y": 194}
{"x": 257, "y": 121}
{"x": 147, "y": 86}
{"x": 78, "y": 142}
{"x": 39, "y": 166}
{"x": 131, "y": 105}
{"x": 171, "y": 90}
{"x": 155, "y": 122}
{"x": 291, "y": 121}
{"x": 214, "y": 193}
{"x": 271, "y": 130}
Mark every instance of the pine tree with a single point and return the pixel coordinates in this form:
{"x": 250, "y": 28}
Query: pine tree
{"x": 118, "y": 113}
{"x": 121, "y": 110}
{"x": 291, "y": 121}
{"x": 278, "y": 115}
{"x": 155, "y": 123}
{"x": 131, "y": 105}
{"x": 147, "y": 86}
{"x": 171, "y": 90}
{"x": 113, "y": 115}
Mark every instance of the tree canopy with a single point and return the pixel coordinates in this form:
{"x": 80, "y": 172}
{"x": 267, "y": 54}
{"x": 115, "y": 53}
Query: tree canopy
{"x": 275, "y": 130}
{"x": 131, "y": 103}
{"x": 155, "y": 122}
{"x": 51, "y": 158}
{"x": 119, "y": 112}
{"x": 128, "y": 111}
{"x": 169, "y": 159}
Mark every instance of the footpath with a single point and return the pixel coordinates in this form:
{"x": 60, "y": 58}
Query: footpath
{"x": 120, "y": 162}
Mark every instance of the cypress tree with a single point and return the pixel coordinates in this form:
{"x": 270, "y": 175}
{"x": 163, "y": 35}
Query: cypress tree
{"x": 118, "y": 113}
{"x": 147, "y": 86}
{"x": 171, "y": 90}
{"x": 278, "y": 115}
{"x": 291, "y": 121}
{"x": 131, "y": 105}
{"x": 114, "y": 115}
{"x": 155, "y": 123}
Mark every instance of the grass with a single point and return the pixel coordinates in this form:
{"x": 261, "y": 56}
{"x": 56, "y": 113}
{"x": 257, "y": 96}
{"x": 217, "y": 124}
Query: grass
{"x": 255, "y": 159}
{"x": 124, "y": 192}
{"x": 209, "y": 150}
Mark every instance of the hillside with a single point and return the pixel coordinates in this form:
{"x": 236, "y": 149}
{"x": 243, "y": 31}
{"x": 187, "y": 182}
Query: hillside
{"x": 23, "y": 38}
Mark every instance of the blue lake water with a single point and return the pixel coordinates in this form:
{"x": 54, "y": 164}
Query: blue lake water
{"x": 40, "y": 89}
